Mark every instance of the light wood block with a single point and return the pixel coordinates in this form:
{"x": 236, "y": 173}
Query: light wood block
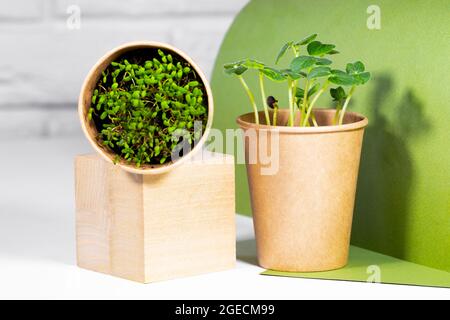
{"x": 149, "y": 228}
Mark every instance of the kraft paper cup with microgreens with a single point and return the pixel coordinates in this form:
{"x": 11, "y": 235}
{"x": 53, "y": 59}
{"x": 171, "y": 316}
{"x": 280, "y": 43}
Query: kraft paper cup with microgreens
{"x": 303, "y": 212}
{"x": 90, "y": 130}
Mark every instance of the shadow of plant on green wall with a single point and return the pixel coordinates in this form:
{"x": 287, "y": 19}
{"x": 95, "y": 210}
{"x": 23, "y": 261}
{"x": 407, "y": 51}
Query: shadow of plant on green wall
{"x": 387, "y": 170}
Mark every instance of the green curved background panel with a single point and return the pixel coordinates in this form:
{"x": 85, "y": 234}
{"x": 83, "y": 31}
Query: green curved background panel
{"x": 403, "y": 198}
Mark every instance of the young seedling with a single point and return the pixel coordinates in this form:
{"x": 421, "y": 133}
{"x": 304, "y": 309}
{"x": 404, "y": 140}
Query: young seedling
{"x": 354, "y": 75}
{"x": 253, "y": 64}
{"x": 296, "y": 72}
{"x": 238, "y": 70}
{"x": 313, "y": 69}
{"x": 339, "y": 96}
{"x": 240, "y": 67}
{"x": 141, "y": 100}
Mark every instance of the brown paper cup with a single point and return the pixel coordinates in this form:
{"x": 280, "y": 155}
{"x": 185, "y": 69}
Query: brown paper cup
{"x": 303, "y": 212}
{"x": 90, "y": 83}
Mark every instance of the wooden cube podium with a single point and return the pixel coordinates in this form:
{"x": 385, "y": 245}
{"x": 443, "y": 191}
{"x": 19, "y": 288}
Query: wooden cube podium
{"x": 155, "y": 227}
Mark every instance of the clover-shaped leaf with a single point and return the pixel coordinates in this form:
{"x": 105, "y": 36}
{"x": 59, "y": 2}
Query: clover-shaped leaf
{"x": 341, "y": 78}
{"x": 362, "y": 78}
{"x": 357, "y": 69}
{"x": 317, "y": 48}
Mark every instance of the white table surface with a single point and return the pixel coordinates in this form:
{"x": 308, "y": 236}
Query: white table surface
{"x": 37, "y": 246}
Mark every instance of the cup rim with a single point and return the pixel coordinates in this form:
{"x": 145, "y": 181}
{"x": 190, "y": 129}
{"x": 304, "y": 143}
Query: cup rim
{"x": 361, "y": 123}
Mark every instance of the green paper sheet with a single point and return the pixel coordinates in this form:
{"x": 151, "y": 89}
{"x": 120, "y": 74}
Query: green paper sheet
{"x": 368, "y": 266}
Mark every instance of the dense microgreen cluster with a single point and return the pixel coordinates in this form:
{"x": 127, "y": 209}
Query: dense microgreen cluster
{"x": 308, "y": 76}
{"x": 145, "y": 104}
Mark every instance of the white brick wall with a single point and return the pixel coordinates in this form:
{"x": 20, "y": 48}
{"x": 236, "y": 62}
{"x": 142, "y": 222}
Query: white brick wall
{"x": 43, "y": 63}
{"x": 21, "y": 10}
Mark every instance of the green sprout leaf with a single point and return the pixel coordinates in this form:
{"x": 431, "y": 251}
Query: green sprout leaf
{"x": 362, "y": 78}
{"x": 338, "y": 94}
{"x": 357, "y": 70}
{"x": 103, "y": 115}
{"x": 354, "y": 68}
{"x": 342, "y": 78}
{"x": 319, "y": 72}
{"x": 295, "y": 46}
{"x": 302, "y": 63}
{"x": 253, "y": 64}
{"x": 90, "y": 112}
{"x": 235, "y": 68}
{"x": 300, "y": 92}
{"x": 307, "y": 40}
{"x": 323, "y": 62}
{"x": 283, "y": 51}
{"x": 273, "y": 74}
{"x": 293, "y": 75}
{"x": 313, "y": 89}
{"x": 317, "y": 48}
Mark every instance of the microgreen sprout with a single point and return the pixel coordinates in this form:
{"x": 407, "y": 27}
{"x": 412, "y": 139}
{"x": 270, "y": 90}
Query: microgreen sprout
{"x": 308, "y": 77}
{"x": 141, "y": 100}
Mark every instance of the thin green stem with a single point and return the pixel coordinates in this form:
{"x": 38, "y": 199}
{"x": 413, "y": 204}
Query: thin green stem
{"x": 263, "y": 96}
{"x": 294, "y": 100}
{"x": 291, "y": 104}
{"x": 251, "y": 97}
{"x": 305, "y": 101}
{"x": 294, "y": 94}
{"x": 295, "y": 84}
{"x": 313, "y": 102}
{"x": 344, "y": 108}
{"x": 314, "y": 120}
{"x": 274, "y": 119}
{"x": 336, "y": 115}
